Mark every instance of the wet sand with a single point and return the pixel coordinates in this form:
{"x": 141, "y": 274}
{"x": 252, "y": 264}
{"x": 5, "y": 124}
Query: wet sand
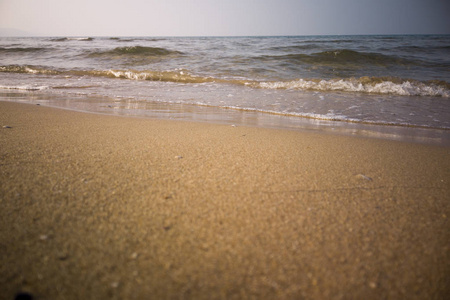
{"x": 104, "y": 207}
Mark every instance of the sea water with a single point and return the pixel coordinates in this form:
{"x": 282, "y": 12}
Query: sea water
{"x": 388, "y": 86}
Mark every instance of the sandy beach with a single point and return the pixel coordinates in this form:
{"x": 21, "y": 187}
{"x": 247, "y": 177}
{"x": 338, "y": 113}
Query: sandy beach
{"x": 106, "y": 207}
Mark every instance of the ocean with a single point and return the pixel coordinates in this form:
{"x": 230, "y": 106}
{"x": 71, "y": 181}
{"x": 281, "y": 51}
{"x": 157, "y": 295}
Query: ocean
{"x": 395, "y": 87}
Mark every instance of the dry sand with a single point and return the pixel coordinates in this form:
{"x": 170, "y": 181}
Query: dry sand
{"x": 104, "y": 207}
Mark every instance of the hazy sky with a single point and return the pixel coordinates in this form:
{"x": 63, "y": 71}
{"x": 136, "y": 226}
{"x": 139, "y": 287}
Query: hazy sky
{"x": 224, "y": 17}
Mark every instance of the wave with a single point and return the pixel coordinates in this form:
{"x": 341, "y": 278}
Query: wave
{"x": 319, "y": 40}
{"x": 324, "y": 117}
{"x": 412, "y": 49}
{"x": 22, "y": 49}
{"x": 131, "y": 39}
{"x": 64, "y": 39}
{"x": 25, "y": 87}
{"x": 368, "y": 85}
{"x": 28, "y": 69}
{"x": 344, "y": 57}
{"x": 182, "y": 76}
{"x": 167, "y": 76}
{"x": 135, "y": 51}
{"x": 330, "y": 116}
{"x": 300, "y": 47}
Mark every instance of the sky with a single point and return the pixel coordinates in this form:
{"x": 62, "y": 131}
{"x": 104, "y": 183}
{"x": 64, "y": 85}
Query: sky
{"x": 223, "y": 17}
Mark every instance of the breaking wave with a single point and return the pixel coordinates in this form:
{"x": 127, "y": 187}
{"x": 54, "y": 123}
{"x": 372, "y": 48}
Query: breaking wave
{"x": 369, "y": 85}
{"x": 28, "y": 69}
{"x": 168, "y": 76}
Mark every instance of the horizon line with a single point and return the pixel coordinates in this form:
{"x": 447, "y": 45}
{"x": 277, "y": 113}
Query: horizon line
{"x": 222, "y": 36}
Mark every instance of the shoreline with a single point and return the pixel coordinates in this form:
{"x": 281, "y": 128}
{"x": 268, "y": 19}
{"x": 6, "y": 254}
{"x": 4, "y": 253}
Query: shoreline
{"x": 100, "y": 207}
{"x": 232, "y": 116}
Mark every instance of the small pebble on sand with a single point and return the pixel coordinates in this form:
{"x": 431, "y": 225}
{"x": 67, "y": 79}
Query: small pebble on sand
{"x": 362, "y": 176}
{"x": 23, "y": 296}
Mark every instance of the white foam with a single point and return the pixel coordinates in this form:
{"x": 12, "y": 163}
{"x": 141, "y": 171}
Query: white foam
{"x": 79, "y": 39}
{"x": 406, "y": 88}
{"x": 25, "y": 87}
{"x": 128, "y": 75}
{"x": 321, "y": 117}
{"x": 329, "y": 116}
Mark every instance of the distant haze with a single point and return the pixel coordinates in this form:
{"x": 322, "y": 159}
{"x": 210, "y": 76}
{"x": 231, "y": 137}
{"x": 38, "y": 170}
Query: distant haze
{"x": 222, "y": 18}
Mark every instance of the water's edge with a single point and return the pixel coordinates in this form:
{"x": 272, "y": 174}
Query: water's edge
{"x": 232, "y": 117}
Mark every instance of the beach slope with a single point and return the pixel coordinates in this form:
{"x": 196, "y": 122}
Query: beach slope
{"x": 105, "y": 207}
